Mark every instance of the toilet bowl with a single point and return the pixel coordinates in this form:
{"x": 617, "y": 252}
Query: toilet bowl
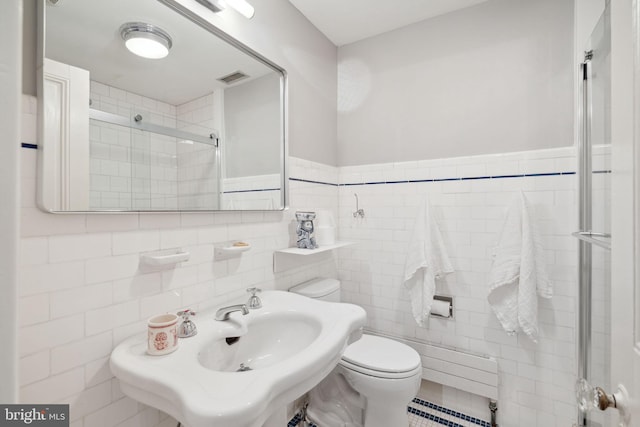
{"x": 373, "y": 382}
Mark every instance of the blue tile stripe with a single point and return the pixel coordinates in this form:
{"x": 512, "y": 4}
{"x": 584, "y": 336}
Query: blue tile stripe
{"x": 413, "y": 181}
{"x": 308, "y": 181}
{"x": 408, "y": 181}
{"x": 449, "y": 412}
{"x": 251, "y": 191}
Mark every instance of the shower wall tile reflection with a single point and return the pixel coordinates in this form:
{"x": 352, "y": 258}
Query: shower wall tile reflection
{"x": 140, "y": 170}
{"x": 198, "y": 169}
{"x": 130, "y": 168}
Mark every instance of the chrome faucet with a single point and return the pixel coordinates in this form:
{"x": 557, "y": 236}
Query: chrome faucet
{"x": 224, "y": 312}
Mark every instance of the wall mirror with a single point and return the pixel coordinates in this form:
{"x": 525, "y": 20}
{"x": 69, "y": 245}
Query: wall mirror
{"x": 201, "y": 129}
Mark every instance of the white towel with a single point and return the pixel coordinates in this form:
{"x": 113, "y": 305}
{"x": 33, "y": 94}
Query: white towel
{"x": 427, "y": 260}
{"x": 518, "y": 275}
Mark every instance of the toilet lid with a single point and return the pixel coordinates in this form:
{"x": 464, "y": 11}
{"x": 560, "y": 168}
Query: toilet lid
{"x": 316, "y": 288}
{"x": 381, "y": 355}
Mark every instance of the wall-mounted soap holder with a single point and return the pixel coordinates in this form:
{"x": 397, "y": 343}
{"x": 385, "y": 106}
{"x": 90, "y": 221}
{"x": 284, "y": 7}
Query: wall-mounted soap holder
{"x": 439, "y": 312}
{"x": 230, "y": 249}
{"x": 164, "y": 257}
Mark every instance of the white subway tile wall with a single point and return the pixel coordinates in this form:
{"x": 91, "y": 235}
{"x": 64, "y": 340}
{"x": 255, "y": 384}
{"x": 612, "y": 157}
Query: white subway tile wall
{"x": 141, "y": 170}
{"x": 82, "y": 290}
{"x": 470, "y": 196}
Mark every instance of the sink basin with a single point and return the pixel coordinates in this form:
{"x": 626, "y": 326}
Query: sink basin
{"x": 270, "y": 339}
{"x": 243, "y": 371}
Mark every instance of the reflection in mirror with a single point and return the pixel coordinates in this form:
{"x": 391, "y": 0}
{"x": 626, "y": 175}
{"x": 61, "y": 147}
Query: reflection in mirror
{"x": 201, "y": 128}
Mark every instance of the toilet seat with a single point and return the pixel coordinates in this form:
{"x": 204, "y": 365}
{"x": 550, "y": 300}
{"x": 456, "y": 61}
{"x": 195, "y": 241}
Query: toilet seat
{"x": 380, "y": 375}
{"x": 381, "y": 357}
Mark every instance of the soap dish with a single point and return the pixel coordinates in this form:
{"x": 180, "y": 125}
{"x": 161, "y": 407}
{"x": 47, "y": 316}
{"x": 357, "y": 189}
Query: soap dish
{"x": 166, "y": 257}
{"x": 231, "y": 248}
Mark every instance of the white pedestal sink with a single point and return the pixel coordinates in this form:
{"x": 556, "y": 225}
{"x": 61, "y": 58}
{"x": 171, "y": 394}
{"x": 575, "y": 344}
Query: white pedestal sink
{"x": 284, "y": 349}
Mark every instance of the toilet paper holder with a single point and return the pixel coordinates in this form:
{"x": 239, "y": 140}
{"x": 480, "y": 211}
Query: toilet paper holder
{"x": 444, "y": 299}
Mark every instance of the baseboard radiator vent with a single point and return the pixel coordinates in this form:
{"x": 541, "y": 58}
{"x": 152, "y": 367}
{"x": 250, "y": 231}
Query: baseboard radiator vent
{"x": 458, "y": 369}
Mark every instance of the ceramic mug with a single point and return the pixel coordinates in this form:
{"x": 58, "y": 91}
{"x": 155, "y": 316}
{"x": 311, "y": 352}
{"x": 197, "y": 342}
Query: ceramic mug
{"x": 162, "y": 337}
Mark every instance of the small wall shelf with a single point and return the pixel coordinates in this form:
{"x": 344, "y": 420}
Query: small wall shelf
{"x": 162, "y": 258}
{"x": 285, "y": 259}
{"x": 298, "y": 251}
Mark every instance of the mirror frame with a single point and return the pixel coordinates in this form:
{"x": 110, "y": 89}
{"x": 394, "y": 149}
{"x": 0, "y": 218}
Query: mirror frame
{"x": 46, "y": 157}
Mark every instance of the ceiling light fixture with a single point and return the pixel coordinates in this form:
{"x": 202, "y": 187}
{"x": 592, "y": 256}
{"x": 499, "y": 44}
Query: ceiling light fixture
{"x": 241, "y": 6}
{"x": 146, "y": 40}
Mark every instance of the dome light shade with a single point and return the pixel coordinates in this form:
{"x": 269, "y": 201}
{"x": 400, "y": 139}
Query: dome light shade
{"x": 146, "y": 40}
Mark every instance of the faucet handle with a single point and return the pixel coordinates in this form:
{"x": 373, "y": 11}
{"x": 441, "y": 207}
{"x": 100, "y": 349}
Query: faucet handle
{"x": 186, "y": 313}
{"x": 254, "y": 301}
{"x": 187, "y": 328}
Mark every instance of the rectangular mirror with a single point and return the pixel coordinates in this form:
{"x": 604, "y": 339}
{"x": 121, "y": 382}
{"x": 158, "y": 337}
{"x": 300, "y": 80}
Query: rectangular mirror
{"x": 201, "y": 129}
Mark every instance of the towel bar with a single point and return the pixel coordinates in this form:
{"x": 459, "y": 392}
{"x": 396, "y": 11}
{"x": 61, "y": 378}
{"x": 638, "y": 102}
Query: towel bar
{"x": 590, "y": 237}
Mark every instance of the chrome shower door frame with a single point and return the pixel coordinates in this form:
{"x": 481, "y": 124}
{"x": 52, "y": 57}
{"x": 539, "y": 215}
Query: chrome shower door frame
{"x": 584, "y": 224}
{"x": 594, "y": 128}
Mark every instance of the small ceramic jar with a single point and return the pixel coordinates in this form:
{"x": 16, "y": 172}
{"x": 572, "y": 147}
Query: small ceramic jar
{"x": 162, "y": 337}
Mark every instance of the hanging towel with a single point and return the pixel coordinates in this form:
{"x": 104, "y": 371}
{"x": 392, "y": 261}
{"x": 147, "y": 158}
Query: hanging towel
{"x": 427, "y": 260}
{"x": 518, "y": 275}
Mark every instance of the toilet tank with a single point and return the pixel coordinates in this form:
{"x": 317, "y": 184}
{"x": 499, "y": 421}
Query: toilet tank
{"x": 319, "y": 288}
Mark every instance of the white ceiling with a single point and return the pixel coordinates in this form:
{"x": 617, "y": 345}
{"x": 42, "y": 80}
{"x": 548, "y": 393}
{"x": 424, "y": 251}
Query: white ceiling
{"x": 347, "y": 21}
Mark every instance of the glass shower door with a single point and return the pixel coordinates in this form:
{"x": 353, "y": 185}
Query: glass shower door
{"x": 594, "y": 175}
{"x": 144, "y": 161}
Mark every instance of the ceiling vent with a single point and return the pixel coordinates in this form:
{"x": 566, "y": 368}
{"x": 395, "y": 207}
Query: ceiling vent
{"x": 233, "y": 77}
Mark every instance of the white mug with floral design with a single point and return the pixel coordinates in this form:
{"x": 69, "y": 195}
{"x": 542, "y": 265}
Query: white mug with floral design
{"x": 162, "y": 337}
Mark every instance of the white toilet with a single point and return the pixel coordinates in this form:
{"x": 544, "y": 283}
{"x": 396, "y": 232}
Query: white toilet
{"x": 373, "y": 382}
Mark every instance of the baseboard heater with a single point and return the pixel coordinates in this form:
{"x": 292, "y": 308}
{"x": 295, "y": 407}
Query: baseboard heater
{"x": 458, "y": 369}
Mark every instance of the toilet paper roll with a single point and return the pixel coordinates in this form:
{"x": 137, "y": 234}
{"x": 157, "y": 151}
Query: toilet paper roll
{"x": 441, "y": 308}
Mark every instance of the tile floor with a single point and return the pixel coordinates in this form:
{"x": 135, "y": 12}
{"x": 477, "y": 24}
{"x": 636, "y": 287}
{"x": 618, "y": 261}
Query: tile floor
{"x": 425, "y": 414}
